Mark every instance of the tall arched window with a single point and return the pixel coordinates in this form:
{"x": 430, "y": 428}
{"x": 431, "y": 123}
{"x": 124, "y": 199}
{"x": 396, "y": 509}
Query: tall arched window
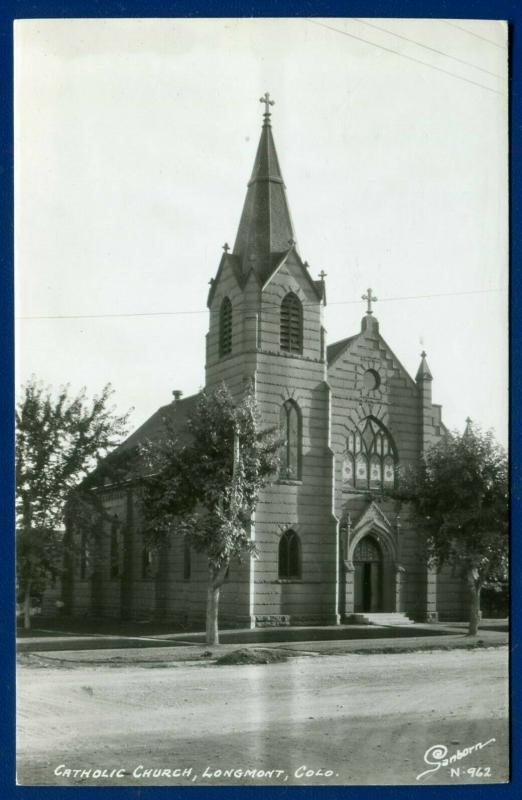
{"x": 289, "y": 555}
{"x": 115, "y": 553}
{"x": 147, "y": 561}
{"x": 291, "y": 331}
{"x": 225, "y": 327}
{"x": 290, "y": 454}
{"x": 85, "y": 555}
{"x": 370, "y": 460}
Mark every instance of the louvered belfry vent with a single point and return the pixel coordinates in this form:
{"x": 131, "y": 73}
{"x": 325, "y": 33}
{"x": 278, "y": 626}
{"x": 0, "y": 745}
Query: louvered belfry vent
{"x": 291, "y": 334}
{"x": 225, "y": 328}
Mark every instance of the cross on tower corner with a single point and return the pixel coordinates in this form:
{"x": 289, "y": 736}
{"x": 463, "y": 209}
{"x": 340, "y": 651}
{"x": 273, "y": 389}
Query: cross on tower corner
{"x": 370, "y": 298}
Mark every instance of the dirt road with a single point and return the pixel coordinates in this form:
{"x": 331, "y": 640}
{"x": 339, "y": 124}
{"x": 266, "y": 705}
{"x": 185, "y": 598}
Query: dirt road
{"x": 350, "y": 719}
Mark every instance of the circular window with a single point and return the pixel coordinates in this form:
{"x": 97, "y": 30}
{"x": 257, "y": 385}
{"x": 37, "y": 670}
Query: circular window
{"x": 371, "y": 379}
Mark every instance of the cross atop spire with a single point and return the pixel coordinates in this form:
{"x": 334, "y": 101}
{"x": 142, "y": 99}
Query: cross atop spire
{"x": 266, "y": 100}
{"x": 423, "y": 373}
{"x": 371, "y": 298}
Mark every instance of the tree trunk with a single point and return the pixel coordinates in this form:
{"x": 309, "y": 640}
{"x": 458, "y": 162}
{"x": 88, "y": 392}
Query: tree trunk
{"x": 474, "y": 585}
{"x": 215, "y": 581}
{"x": 27, "y": 607}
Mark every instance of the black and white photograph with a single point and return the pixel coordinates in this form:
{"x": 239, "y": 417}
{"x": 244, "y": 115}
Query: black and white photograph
{"x": 261, "y": 312}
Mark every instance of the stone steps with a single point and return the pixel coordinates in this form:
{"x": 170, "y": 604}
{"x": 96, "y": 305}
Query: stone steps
{"x": 381, "y": 618}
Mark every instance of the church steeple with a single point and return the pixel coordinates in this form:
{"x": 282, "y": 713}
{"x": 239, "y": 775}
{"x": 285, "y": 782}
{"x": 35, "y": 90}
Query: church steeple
{"x": 265, "y": 230}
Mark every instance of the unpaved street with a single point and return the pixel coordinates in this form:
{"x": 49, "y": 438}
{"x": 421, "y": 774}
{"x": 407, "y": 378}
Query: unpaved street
{"x": 351, "y": 719}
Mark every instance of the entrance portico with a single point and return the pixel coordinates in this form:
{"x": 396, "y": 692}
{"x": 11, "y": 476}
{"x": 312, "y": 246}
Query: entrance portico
{"x": 369, "y": 568}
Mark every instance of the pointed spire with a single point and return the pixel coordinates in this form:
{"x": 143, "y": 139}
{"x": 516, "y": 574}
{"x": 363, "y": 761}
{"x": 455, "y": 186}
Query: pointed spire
{"x": 265, "y": 228}
{"x": 423, "y": 373}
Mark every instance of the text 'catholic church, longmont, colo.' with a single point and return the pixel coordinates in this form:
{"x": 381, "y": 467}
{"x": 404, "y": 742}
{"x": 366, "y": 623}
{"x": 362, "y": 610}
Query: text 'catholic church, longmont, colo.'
{"x": 332, "y": 544}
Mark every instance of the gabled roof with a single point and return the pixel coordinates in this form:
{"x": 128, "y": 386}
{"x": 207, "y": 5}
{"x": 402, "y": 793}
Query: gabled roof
{"x": 174, "y": 414}
{"x": 336, "y": 348}
{"x": 227, "y": 259}
{"x": 277, "y": 260}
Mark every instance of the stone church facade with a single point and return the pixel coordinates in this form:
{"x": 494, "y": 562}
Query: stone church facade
{"x": 330, "y": 543}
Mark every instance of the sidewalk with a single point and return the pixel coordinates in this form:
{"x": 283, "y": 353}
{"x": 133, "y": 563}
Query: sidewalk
{"x": 165, "y": 649}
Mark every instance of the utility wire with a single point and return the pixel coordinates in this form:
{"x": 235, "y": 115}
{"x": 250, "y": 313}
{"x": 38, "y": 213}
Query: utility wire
{"x": 403, "y": 55}
{"x": 427, "y": 47}
{"x": 265, "y": 303}
{"x": 472, "y": 33}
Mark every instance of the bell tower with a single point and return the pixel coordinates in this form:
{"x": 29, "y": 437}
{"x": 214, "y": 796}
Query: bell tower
{"x": 246, "y": 298}
{"x": 266, "y": 327}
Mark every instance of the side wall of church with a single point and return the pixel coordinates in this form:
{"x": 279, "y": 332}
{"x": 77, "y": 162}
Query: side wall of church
{"x": 164, "y": 587}
{"x": 452, "y": 594}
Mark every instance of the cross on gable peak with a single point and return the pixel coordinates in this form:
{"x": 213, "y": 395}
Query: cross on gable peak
{"x": 370, "y": 298}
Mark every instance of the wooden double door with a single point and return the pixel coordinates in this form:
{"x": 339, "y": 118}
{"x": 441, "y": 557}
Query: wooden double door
{"x": 368, "y": 576}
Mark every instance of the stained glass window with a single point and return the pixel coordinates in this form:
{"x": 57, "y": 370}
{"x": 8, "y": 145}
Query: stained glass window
{"x": 370, "y": 459}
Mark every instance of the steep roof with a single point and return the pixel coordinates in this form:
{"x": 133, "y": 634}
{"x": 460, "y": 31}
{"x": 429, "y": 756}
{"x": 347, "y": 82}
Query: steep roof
{"x": 265, "y": 228}
{"x": 174, "y": 414}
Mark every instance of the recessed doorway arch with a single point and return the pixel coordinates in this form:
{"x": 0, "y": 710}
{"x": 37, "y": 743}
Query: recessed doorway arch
{"x": 368, "y": 575}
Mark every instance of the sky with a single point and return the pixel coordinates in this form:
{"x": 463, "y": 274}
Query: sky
{"x": 134, "y": 142}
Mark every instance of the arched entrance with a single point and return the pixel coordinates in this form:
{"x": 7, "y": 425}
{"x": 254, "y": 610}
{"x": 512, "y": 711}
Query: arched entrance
{"x": 367, "y": 561}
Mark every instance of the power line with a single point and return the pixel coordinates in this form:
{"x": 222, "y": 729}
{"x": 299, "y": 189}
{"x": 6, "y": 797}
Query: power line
{"x": 472, "y": 33}
{"x": 204, "y": 311}
{"x": 403, "y": 55}
{"x": 427, "y": 47}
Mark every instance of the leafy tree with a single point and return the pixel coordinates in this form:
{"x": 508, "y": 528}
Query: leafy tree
{"x": 206, "y": 489}
{"x": 59, "y": 439}
{"x": 459, "y": 497}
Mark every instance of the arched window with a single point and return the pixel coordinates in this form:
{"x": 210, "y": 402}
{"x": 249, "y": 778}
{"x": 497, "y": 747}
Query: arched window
{"x": 85, "y": 555}
{"x": 187, "y": 561}
{"x": 225, "y": 327}
{"x": 115, "y": 553}
{"x": 147, "y": 562}
{"x": 289, "y": 555}
{"x": 290, "y": 454}
{"x": 291, "y": 331}
{"x": 370, "y": 460}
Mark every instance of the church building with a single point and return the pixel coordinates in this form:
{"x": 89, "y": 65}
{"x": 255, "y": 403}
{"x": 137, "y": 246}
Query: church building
{"x": 332, "y": 546}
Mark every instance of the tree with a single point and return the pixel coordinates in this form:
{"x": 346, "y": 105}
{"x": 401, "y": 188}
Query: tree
{"x": 459, "y": 497}
{"x": 206, "y": 489}
{"x": 59, "y": 439}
